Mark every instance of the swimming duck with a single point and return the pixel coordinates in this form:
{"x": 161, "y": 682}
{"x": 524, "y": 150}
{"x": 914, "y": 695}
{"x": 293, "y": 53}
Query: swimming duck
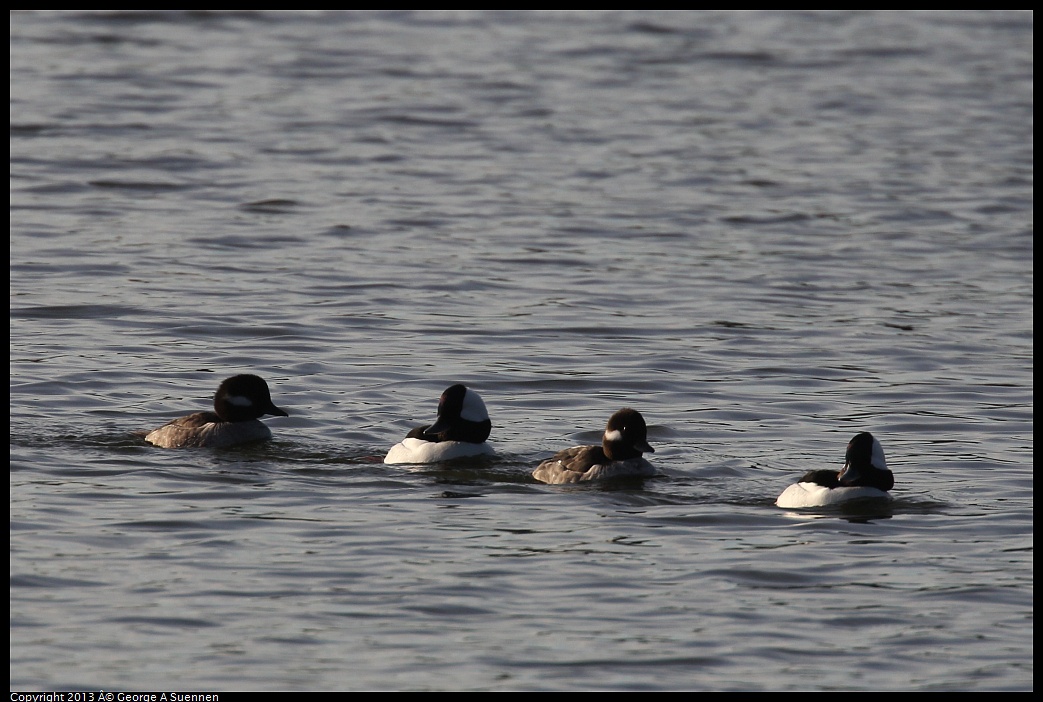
{"x": 625, "y": 439}
{"x": 864, "y": 476}
{"x": 238, "y": 403}
{"x": 459, "y": 431}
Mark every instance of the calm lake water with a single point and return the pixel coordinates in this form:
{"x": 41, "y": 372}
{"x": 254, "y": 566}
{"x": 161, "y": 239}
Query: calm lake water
{"x": 767, "y": 231}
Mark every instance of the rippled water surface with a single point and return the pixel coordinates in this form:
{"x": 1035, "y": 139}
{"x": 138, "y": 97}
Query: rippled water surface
{"x": 766, "y": 231}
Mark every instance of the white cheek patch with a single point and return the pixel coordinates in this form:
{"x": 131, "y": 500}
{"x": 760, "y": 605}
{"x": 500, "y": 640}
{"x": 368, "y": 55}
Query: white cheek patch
{"x": 239, "y": 401}
{"x": 613, "y": 436}
{"x": 878, "y": 456}
{"x": 473, "y": 409}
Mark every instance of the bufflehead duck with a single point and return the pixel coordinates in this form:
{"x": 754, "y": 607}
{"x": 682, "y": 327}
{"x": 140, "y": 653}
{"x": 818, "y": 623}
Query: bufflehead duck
{"x": 459, "y": 431}
{"x": 625, "y": 439}
{"x": 865, "y": 476}
{"x": 238, "y": 403}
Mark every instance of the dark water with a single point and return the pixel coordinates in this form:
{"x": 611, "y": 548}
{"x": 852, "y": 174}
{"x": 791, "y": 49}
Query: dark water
{"x": 767, "y": 231}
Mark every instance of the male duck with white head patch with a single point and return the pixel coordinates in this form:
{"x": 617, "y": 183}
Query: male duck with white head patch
{"x": 459, "y": 431}
{"x": 238, "y": 403}
{"x": 864, "y": 476}
{"x": 619, "y": 455}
